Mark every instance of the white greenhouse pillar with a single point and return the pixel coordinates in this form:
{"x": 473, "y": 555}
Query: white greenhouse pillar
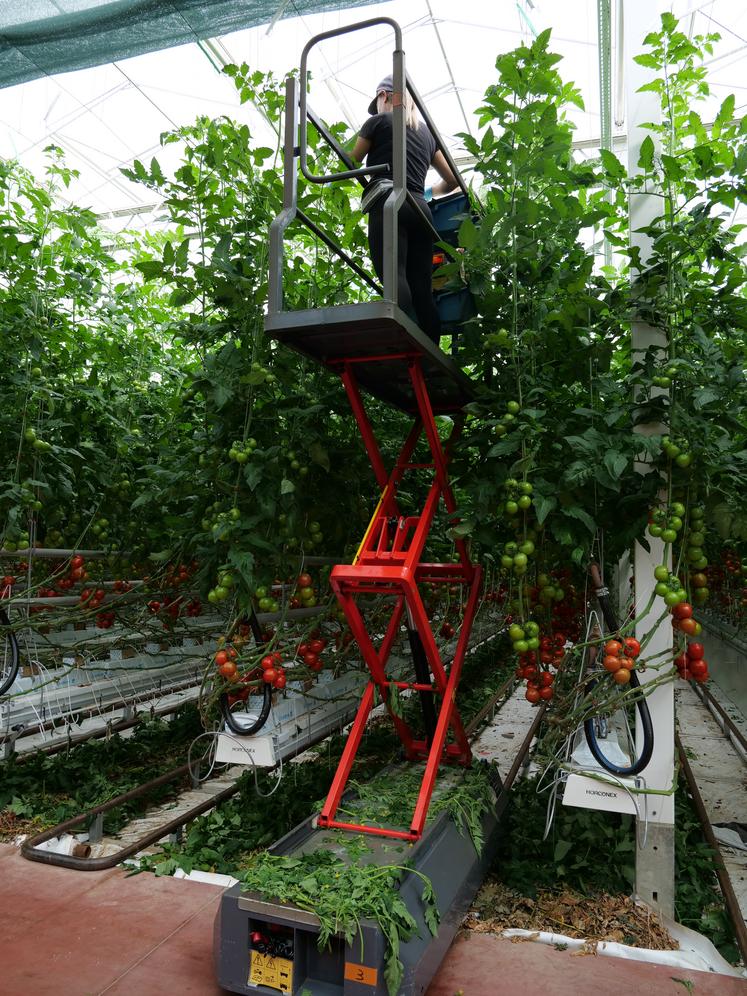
{"x": 655, "y": 861}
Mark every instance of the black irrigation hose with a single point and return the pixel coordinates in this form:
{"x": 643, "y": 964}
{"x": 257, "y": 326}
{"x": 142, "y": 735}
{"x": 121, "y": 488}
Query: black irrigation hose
{"x": 641, "y": 762}
{"x": 9, "y": 675}
{"x": 225, "y": 710}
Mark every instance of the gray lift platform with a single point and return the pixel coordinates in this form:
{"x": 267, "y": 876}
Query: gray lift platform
{"x": 363, "y": 334}
{"x": 445, "y": 854}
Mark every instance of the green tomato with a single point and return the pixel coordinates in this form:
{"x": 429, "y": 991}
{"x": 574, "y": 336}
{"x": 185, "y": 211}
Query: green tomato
{"x": 516, "y": 632}
{"x": 526, "y": 488}
{"x": 520, "y": 560}
{"x": 527, "y": 547}
{"x": 521, "y": 646}
{"x": 696, "y": 539}
{"x": 697, "y": 513}
{"x": 525, "y": 502}
{"x": 507, "y": 561}
{"x": 500, "y": 430}
{"x": 212, "y": 597}
{"x": 701, "y": 564}
{"x": 514, "y": 407}
{"x": 654, "y": 530}
{"x": 672, "y": 598}
{"x": 520, "y": 570}
{"x": 683, "y": 459}
{"x": 542, "y": 580}
{"x": 265, "y": 604}
{"x": 661, "y": 573}
{"x": 511, "y": 508}
{"x": 668, "y": 535}
{"x": 531, "y": 628}
{"x": 260, "y": 592}
{"x": 675, "y": 523}
{"x": 511, "y": 548}
{"x": 661, "y": 588}
{"x": 226, "y": 580}
{"x": 677, "y": 508}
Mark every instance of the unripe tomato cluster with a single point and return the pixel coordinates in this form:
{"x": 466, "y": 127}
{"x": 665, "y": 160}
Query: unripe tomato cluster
{"x": 667, "y": 522}
{"x": 512, "y": 410}
{"x": 691, "y": 664}
{"x": 619, "y": 658}
{"x": 222, "y": 590}
{"x": 220, "y": 522}
{"x": 518, "y": 496}
{"x": 677, "y": 449}
{"x": 668, "y": 586}
{"x": 516, "y": 556}
{"x": 240, "y": 451}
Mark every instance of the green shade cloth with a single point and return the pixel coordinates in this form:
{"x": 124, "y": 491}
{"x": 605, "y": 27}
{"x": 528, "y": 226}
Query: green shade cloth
{"x": 42, "y": 37}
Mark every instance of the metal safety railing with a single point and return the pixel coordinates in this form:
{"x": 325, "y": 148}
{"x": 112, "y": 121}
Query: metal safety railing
{"x": 297, "y": 116}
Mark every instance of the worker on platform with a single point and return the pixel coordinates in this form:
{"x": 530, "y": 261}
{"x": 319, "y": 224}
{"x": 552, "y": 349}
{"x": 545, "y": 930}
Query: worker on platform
{"x": 415, "y": 241}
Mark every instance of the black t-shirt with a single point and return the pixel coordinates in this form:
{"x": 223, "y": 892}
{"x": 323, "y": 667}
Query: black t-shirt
{"x": 420, "y": 146}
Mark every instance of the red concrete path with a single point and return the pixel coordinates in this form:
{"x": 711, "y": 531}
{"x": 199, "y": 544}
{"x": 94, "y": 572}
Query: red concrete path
{"x": 85, "y": 934}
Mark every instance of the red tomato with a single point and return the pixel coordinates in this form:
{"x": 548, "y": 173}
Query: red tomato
{"x": 698, "y": 668}
{"x": 317, "y": 646}
{"x": 631, "y": 647}
{"x": 688, "y": 626}
{"x": 270, "y": 676}
{"x": 613, "y": 648}
{"x": 612, "y": 663}
{"x": 280, "y": 681}
{"x": 695, "y": 651}
{"x": 682, "y": 611}
{"x": 221, "y": 658}
{"x": 546, "y": 692}
{"x": 546, "y": 679}
{"x": 532, "y": 695}
{"x": 680, "y": 661}
{"x": 304, "y": 581}
{"x": 228, "y": 670}
{"x": 77, "y": 561}
{"x": 267, "y": 662}
{"x": 310, "y": 659}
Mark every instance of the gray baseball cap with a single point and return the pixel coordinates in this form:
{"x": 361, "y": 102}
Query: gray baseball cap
{"x": 386, "y": 85}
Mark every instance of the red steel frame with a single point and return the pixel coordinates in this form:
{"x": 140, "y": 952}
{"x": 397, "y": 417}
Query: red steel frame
{"x": 391, "y": 564}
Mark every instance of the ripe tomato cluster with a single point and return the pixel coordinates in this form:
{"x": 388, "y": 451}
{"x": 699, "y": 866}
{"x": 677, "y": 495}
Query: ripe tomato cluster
{"x": 534, "y": 665}
{"x": 309, "y": 652}
{"x": 620, "y": 658}
{"x": 691, "y": 664}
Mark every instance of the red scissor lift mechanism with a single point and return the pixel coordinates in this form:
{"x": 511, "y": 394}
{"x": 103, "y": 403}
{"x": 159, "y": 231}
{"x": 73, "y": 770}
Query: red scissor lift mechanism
{"x": 375, "y": 347}
{"x": 389, "y": 561}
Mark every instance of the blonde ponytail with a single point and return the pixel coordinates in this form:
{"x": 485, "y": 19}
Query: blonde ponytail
{"x": 384, "y": 106}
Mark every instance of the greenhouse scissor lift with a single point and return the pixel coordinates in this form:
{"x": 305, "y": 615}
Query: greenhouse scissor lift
{"x": 377, "y": 350}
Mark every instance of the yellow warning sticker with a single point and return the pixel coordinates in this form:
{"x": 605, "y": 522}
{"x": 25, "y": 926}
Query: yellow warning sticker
{"x": 264, "y": 970}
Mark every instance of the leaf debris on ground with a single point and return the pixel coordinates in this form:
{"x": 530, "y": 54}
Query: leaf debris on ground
{"x": 601, "y": 917}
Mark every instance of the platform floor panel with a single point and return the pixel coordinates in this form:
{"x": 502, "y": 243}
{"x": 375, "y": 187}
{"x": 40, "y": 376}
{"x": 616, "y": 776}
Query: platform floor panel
{"x": 93, "y": 933}
{"x": 376, "y": 328}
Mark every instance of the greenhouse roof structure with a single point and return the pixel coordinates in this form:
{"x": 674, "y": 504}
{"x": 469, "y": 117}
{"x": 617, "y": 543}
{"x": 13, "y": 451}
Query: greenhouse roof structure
{"x": 103, "y": 80}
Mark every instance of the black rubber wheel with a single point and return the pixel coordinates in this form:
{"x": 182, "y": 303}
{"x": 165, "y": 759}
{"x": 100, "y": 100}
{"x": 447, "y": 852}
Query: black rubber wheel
{"x": 10, "y": 658}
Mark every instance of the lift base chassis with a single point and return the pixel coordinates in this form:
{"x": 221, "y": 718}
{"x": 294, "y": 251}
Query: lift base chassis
{"x": 445, "y": 854}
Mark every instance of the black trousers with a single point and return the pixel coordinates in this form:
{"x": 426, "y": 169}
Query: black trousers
{"x": 414, "y": 263}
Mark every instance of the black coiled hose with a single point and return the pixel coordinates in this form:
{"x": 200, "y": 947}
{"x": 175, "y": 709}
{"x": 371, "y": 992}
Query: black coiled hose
{"x": 225, "y": 709}
{"x": 9, "y": 669}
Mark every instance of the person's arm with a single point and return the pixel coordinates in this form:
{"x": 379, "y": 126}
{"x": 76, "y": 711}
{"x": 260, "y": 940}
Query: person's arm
{"x": 361, "y": 149}
{"x": 448, "y": 181}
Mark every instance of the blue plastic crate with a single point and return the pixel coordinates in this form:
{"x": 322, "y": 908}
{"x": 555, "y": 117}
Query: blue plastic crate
{"x": 448, "y": 215}
{"x": 454, "y": 308}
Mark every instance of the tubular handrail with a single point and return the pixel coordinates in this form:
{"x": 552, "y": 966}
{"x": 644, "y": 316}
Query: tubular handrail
{"x": 322, "y": 36}
{"x": 298, "y": 114}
